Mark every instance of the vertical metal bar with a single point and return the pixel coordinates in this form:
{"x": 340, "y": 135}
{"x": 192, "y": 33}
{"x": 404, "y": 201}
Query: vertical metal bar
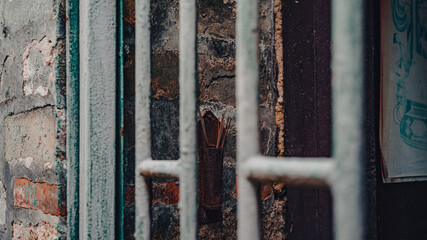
{"x": 97, "y": 118}
{"x": 187, "y": 120}
{"x": 247, "y": 115}
{"x": 347, "y": 123}
{"x": 73, "y": 119}
{"x": 142, "y": 120}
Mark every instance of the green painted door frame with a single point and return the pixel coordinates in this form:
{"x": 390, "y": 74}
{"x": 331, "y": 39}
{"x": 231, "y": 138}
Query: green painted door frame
{"x": 94, "y": 118}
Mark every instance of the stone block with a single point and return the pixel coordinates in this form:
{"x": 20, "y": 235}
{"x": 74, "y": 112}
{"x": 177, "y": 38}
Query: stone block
{"x": 18, "y": 13}
{"x": 31, "y": 135}
{"x": 39, "y": 67}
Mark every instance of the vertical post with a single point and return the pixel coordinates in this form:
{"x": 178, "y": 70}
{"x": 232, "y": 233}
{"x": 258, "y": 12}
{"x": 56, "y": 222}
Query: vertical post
{"x": 247, "y": 116}
{"x": 73, "y": 119}
{"x": 142, "y": 120}
{"x": 97, "y": 118}
{"x": 187, "y": 120}
{"x": 347, "y": 123}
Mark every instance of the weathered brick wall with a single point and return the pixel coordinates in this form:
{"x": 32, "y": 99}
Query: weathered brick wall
{"x": 32, "y": 119}
{"x": 216, "y": 80}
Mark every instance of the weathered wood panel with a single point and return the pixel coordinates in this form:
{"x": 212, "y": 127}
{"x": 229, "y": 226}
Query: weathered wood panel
{"x": 307, "y": 104}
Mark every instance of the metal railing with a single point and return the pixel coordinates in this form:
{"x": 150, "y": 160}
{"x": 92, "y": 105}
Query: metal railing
{"x": 186, "y": 167}
{"x": 342, "y": 172}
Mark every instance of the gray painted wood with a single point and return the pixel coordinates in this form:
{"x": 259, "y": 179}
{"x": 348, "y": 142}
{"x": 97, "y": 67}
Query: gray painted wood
{"x": 97, "y": 119}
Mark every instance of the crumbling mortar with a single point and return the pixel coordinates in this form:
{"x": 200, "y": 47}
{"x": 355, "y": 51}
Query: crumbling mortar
{"x": 279, "y": 110}
{"x": 12, "y": 113}
{"x": 217, "y": 78}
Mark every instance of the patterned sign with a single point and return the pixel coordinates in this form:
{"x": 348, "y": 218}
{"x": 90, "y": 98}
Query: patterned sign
{"x": 403, "y": 126}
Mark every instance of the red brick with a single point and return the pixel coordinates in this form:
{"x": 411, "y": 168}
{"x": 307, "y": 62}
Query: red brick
{"x": 167, "y": 193}
{"x": 33, "y": 195}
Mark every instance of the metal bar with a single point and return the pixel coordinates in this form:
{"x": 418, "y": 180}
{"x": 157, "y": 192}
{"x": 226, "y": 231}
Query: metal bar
{"x": 160, "y": 168}
{"x": 309, "y": 171}
{"x": 347, "y": 72}
{"x": 187, "y": 119}
{"x": 73, "y": 119}
{"x": 247, "y": 116}
{"x": 142, "y": 118}
{"x": 97, "y": 119}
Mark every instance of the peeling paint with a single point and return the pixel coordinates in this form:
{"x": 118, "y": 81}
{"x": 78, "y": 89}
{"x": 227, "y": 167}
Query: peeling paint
{"x": 30, "y": 194}
{"x": 35, "y": 195}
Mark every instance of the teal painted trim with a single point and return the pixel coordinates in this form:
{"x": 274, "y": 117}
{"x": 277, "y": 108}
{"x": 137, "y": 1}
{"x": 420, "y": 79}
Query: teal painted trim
{"x": 73, "y": 106}
{"x": 120, "y": 183}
